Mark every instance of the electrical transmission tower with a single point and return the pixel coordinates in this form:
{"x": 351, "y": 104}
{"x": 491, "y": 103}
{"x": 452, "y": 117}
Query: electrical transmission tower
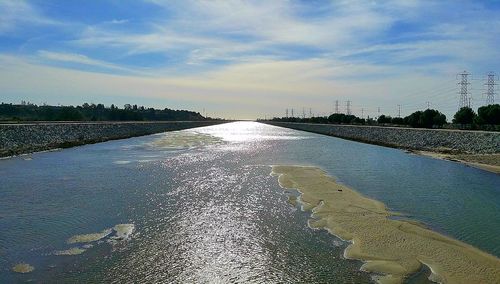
{"x": 399, "y": 110}
{"x": 310, "y": 112}
{"x": 292, "y": 113}
{"x": 490, "y": 88}
{"x": 348, "y": 107}
{"x": 337, "y": 106}
{"x": 286, "y": 113}
{"x": 464, "y": 93}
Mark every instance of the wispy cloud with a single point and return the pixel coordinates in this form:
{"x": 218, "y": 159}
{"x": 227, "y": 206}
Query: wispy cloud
{"x": 248, "y": 52}
{"x": 17, "y": 13}
{"x": 81, "y": 60}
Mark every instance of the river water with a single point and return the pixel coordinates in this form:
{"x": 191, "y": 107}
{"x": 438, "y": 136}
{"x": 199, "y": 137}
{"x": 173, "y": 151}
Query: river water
{"x": 200, "y": 206}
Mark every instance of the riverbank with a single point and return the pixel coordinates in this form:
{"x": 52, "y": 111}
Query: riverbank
{"x": 394, "y": 248}
{"x": 16, "y": 139}
{"x": 487, "y": 162}
{"x": 480, "y": 149}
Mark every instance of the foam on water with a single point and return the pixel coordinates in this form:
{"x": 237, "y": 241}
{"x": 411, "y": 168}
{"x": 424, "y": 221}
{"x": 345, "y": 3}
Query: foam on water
{"x": 123, "y": 231}
{"x": 121, "y": 162}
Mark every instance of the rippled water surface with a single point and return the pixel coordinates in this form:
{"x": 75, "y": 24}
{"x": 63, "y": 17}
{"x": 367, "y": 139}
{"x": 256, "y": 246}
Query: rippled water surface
{"x": 200, "y": 206}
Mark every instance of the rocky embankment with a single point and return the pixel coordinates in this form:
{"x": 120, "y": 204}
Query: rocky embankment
{"x": 436, "y": 140}
{"x": 32, "y": 137}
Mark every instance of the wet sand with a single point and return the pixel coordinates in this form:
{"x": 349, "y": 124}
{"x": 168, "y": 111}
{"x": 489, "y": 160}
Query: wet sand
{"x": 394, "y": 248}
{"x": 184, "y": 139}
{"x": 487, "y": 162}
{"x": 22, "y": 268}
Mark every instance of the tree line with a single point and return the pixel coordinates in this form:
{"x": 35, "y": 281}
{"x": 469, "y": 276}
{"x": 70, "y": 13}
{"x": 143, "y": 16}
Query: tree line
{"x": 92, "y": 112}
{"x": 487, "y": 117}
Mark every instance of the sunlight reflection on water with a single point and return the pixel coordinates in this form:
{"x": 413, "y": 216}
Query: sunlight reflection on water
{"x": 210, "y": 211}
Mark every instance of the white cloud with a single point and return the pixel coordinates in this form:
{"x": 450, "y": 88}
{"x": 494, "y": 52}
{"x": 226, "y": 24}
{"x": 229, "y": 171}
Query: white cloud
{"x": 78, "y": 59}
{"x": 16, "y": 13}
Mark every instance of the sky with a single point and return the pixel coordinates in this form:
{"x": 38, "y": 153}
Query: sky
{"x": 249, "y": 59}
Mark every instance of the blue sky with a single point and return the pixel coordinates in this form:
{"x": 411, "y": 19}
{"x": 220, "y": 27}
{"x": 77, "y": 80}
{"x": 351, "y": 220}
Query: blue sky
{"x": 248, "y": 59}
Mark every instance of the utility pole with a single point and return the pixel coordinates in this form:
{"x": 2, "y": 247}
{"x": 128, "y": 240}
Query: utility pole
{"x": 464, "y": 89}
{"x": 399, "y": 110}
{"x": 490, "y": 88}
{"x": 336, "y": 106}
{"x": 348, "y": 107}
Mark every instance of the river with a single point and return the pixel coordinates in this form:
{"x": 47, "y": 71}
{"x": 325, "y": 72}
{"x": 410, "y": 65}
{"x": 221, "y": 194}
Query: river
{"x": 200, "y": 206}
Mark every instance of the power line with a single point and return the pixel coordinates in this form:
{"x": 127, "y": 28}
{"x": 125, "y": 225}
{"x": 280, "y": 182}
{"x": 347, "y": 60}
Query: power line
{"x": 490, "y": 88}
{"x": 464, "y": 89}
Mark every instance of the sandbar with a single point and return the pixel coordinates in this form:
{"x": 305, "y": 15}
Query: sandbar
{"x": 395, "y": 249}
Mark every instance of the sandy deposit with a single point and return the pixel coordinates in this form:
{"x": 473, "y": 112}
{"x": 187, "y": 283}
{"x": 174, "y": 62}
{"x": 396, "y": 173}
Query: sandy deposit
{"x": 184, "y": 139}
{"x": 394, "y": 248}
{"x": 487, "y": 162}
{"x": 22, "y": 268}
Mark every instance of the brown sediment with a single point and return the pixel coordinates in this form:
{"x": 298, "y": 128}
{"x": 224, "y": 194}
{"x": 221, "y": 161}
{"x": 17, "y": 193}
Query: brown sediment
{"x": 184, "y": 139}
{"x": 71, "y": 251}
{"x": 88, "y": 238}
{"x": 394, "y": 248}
{"x": 487, "y": 162}
{"x": 22, "y": 268}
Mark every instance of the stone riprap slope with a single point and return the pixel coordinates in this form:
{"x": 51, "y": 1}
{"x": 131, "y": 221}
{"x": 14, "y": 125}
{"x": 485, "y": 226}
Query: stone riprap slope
{"x": 435, "y": 140}
{"x": 31, "y": 137}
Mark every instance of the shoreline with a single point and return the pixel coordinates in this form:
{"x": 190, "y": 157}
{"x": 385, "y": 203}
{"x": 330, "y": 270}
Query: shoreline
{"x": 460, "y": 158}
{"x": 397, "y": 249}
{"x": 477, "y": 149}
{"x": 27, "y": 138}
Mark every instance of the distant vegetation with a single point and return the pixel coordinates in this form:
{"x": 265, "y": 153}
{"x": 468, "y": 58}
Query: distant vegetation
{"x": 487, "y": 118}
{"x": 92, "y": 112}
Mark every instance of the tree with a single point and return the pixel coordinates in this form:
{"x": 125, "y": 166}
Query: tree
{"x": 384, "y": 119}
{"x": 489, "y": 114}
{"x": 398, "y": 120}
{"x": 426, "y": 119}
{"x": 465, "y": 115}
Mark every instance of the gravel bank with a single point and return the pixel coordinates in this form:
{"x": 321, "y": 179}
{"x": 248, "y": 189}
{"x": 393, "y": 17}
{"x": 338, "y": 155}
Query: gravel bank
{"x": 435, "y": 140}
{"x": 32, "y": 137}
